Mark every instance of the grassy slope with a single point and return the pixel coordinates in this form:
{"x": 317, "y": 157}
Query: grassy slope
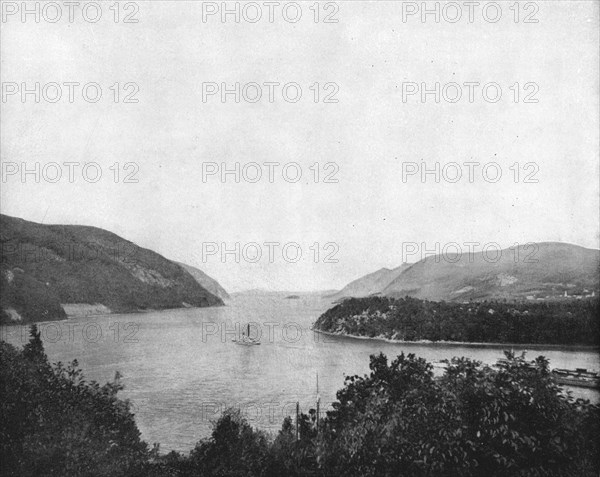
{"x": 550, "y": 269}
{"x": 372, "y": 283}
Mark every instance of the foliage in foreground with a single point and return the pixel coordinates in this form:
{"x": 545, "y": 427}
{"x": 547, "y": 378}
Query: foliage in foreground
{"x": 397, "y": 420}
{"x": 56, "y": 423}
{"x": 474, "y": 421}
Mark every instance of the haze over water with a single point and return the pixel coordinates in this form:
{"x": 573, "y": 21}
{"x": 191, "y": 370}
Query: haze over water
{"x": 180, "y": 368}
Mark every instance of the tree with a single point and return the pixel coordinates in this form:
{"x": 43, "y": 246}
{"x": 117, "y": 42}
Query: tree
{"x": 34, "y": 349}
{"x": 234, "y": 449}
{"x": 56, "y": 423}
{"x": 476, "y": 420}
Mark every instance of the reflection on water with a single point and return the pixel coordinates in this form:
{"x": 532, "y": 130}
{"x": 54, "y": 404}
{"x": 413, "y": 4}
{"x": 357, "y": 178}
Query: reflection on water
{"x": 181, "y": 369}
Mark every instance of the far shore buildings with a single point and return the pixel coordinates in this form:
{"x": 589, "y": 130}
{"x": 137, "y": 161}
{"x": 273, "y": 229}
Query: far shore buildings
{"x": 574, "y": 296}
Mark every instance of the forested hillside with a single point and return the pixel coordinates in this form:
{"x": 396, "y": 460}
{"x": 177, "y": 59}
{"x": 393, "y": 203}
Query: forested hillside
{"x": 553, "y": 322}
{"x": 44, "y": 266}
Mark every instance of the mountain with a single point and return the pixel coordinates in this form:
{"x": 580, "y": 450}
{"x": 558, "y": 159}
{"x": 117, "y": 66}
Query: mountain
{"x": 370, "y": 284}
{"x": 540, "y": 270}
{"x": 205, "y": 281}
{"x": 46, "y": 266}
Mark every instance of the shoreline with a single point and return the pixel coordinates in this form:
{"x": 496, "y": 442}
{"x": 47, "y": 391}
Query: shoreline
{"x": 464, "y": 343}
{"x": 112, "y": 313}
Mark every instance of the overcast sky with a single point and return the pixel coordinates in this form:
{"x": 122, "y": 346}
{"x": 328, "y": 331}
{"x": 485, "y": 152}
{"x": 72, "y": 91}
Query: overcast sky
{"x": 370, "y": 134}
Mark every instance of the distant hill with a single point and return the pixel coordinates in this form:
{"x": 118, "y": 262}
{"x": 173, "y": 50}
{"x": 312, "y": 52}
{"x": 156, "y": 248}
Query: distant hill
{"x": 327, "y": 293}
{"x": 370, "y": 284}
{"x": 207, "y": 282}
{"x": 536, "y": 271}
{"x": 543, "y": 270}
{"x": 44, "y": 266}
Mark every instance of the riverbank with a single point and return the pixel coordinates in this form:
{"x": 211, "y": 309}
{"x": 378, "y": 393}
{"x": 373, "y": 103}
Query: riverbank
{"x": 75, "y": 311}
{"x": 463, "y": 343}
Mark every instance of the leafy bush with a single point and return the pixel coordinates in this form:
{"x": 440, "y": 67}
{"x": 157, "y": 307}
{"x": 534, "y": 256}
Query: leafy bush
{"x": 234, "y": 449}
{"x": 56, "y": 423}
{"x": 475, "y": 421}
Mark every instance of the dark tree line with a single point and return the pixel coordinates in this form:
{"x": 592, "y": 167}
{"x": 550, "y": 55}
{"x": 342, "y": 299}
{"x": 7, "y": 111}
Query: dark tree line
{"x": 568, "y": 322}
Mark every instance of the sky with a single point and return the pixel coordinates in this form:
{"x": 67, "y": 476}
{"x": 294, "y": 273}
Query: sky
{"x": 369, "y": 133}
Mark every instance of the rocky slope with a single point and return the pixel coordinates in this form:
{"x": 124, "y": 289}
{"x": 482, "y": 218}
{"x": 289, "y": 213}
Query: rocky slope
{"x": 205, "y": 281}
{"x": 44, "y": 266}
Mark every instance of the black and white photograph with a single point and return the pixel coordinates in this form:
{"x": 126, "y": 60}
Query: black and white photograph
{"x": 350, "y": 238}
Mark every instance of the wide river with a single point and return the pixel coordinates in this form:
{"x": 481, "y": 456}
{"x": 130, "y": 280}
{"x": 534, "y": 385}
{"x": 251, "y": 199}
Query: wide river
{"x": 180, "y": 368}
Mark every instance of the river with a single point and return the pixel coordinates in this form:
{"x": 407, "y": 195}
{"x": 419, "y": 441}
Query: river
{"x": 180, "y": 368}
